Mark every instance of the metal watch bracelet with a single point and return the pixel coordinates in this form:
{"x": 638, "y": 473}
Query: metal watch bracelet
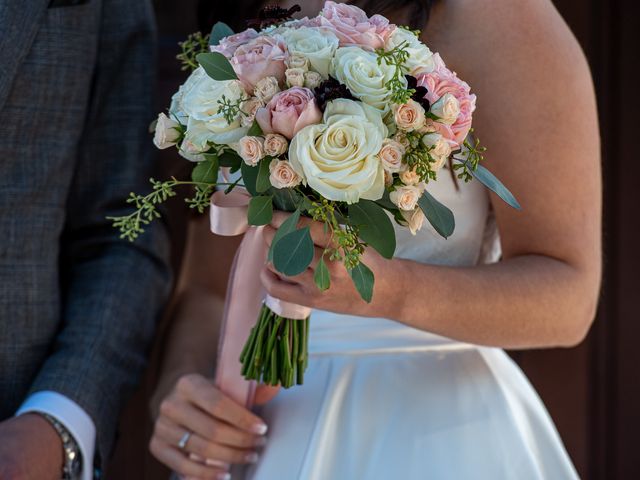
{"x": 72, "y": 455}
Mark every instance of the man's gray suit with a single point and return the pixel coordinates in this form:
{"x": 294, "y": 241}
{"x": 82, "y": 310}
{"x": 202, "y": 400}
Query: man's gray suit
{"x": 77, "y": 304}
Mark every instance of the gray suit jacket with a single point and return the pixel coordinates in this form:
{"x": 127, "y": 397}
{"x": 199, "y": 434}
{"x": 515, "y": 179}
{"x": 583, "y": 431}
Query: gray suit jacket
{"x": 77, "y": 304}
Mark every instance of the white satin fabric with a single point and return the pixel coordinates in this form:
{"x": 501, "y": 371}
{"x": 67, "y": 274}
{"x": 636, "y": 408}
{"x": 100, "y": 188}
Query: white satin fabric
{"x": 385, "y": 401}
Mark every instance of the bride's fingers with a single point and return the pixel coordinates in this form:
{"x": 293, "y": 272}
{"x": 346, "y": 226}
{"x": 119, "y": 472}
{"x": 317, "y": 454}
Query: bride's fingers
{"x": 278, "y": 288}
{"x": 203, "y": 448}
{"x": 181, "y": 464}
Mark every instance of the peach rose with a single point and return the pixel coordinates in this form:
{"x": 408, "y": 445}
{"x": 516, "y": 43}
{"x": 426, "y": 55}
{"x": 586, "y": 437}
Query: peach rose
{"x": 251, "y": 149}
{"x": 266, "y": 88}
{"x": 352, "y": 26}
{"x": 391, "y": 155}
{"x": 295, "y": 77}
{"x": 288, "y": 112}
{"x": 230, "y": 44}
{"x": 409, "y": 177}
{"x": 441, "y": 82}
{"x": 409, "y": 116}
{"x": 414, "y": 219}
{"x": 283, "y": 175}
{"x": 275, "y": 144}
{"x": 249, "y": 108}
{"x": 312, "y": 80}
{"x": 264, "y": 56}
{"x": 406, "y": 197}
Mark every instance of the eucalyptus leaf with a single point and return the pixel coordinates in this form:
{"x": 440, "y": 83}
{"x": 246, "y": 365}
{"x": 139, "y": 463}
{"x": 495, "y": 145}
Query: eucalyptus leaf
{"x": 322, "y": 277}
{"x": 219, "y": 31}
{"x": 217, "y": 66}
{"x": 260, "y": 210}
{"x": 288, "y": 226}
{"x": 263, "y": 183}
{"x": 249, "y": 178}
{"x": 205, "y": 171}
{"x": 439, "y": 216}
{"x": 255, "y": 130}
{"x": 287, "y": 199}
{"x": 294, "y": 252}
{"x": 362, "y": 277}
{"x": 231, "y": 160}
{"x": 374, "y": 226}
{"x": 490, "y": 181}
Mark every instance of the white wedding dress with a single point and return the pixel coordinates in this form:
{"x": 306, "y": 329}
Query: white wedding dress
{"x": 385, "y": 401}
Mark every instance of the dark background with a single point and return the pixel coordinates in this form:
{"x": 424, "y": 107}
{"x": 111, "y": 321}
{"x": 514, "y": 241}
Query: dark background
{"x": 592, "y": 391}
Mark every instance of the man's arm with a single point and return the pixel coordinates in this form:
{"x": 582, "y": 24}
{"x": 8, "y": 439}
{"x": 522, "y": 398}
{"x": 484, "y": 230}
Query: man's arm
{"x": 113, "y": 289}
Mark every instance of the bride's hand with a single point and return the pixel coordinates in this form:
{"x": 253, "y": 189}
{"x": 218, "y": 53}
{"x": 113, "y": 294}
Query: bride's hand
{"x": 222, "y": 432}
{"x": 342, "y": 296}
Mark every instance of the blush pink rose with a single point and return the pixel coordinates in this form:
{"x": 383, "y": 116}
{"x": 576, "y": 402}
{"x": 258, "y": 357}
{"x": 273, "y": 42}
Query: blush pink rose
{"x": 230, "y": 44}
{"x": 442, "y": 81}
{"x": 264, "y": 56}
{"x": 288, "y": 112}
{"x": 352, "y": 26}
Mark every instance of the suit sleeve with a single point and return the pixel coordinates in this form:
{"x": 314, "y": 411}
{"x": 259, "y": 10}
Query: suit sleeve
{"x": 114, "y": 289}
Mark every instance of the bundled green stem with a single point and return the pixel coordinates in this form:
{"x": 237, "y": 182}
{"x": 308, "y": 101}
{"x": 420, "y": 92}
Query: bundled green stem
{"x": 276, "y": 352}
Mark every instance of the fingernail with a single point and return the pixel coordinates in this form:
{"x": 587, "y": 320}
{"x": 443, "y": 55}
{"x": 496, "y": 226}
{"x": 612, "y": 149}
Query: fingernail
{"x": 252, "y": 457}
{"x": 224, "y": 476}
{"x": 216, "y": 463}
{"x": 260, "y": 428}
{"x": 260, "y": 442}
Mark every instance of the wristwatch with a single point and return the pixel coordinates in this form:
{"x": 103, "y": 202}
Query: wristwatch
{"x": 72, "y": 455}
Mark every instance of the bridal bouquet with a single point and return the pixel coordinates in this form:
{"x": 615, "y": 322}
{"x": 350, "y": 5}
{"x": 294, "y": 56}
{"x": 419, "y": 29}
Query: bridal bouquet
{"x": 342, "y": 118}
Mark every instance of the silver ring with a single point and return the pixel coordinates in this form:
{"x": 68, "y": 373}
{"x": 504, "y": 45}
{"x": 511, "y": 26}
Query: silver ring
{"x": 182, "y": 444}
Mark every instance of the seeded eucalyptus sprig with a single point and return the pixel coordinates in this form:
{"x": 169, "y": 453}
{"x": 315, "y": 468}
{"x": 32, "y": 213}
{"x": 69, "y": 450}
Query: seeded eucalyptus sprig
{"x": 418, "y": 156}
{"x": 194, "y": 44}
{"x": 472, "y": 156}
{"x": 396, "y": 58}
{"x": 230, "y": 109}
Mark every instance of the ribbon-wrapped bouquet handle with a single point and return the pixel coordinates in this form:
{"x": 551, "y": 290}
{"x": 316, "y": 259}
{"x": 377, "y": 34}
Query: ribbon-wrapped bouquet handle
{"x": 272, "y": 350}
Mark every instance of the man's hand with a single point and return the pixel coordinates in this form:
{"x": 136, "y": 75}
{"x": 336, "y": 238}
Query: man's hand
{"x": 30, "y": 449}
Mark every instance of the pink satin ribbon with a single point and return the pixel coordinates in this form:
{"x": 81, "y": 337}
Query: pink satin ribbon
{"x": 245, "y": 295}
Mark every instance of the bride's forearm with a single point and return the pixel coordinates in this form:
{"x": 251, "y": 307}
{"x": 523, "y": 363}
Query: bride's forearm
{"x": 523, "y": 302}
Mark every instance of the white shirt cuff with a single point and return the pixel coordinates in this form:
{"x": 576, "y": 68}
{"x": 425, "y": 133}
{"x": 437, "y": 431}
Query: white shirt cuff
{"x": 74, "y": 419}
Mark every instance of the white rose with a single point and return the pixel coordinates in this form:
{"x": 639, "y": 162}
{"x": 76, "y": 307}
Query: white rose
{"x": 275, "y": 144}
{"x": 251, "y": 149}
{"x": 167, "y": 132}
{"x": 391, "y": 155}
{"x": 447, "y": 109}
{"x": 282, "y": 175}
{"x": 266, "y": 88}
{"x": 298, "y": 61}
{"x": 317, "y": 45}
{"x": 176, "y": 109}
{"x": 201, "y": 103}
{"x": 414, "y": 219}
{"x": 406, "y": 197}
{"x": 440, "y": 149}
{"x": 196, "y": 141}
{"x": 409, "y": 116}
{"x": 295, "y": 77}
{"x": 249, "y": 108}
{"x": 339, "y": 158}
{"x": 312, "y": 79}
{"x": 420, "y": 57}
{"x": 358, "y": 69}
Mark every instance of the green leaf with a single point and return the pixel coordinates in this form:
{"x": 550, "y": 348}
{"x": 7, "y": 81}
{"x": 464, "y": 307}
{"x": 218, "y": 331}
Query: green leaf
{"x": 362, "y": 278}
{"x": 249, "y": 178}
{"x": 262, "y": 182}
{"x": 490, "y": 181}
{"x": 288, "y": 226}
{"x": 260, "y": 210}
{"x": 294, "y": 252}
{"x": 374, "y": 225}
{"x": 287, "y": 199}
{"x": 217, "y": 66}
{"x": 439, "y": 216}
{"x": 231, "y": 160}
{"x": 206, "y": 171}
{"x": 219, "y": 31}
{"x": 255, "y": 130}
{"x": 321, "y": 277}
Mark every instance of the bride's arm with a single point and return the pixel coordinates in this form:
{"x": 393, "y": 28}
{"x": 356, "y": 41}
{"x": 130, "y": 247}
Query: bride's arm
{"x": 537, "y": 116}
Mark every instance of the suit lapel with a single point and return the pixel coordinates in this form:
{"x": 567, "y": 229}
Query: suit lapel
{"x": 19, "y": 23}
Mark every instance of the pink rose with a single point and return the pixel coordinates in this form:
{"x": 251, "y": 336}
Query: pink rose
{"x": 442, "y": 81}
{"x": 264, "y": 56}
{"x": 352, "y": 26}
{"x": 288, "y": 112}
{"x": 230, "y": 44}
